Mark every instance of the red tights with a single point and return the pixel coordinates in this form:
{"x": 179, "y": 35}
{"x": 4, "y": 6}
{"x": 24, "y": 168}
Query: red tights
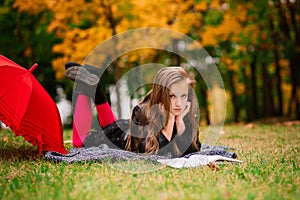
{"x": 83, "y": 118}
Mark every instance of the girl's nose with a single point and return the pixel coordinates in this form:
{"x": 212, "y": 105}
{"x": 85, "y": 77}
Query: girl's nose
{"x": 178, "y": 102}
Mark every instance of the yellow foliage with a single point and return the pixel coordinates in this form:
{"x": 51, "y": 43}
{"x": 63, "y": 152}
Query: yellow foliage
{"x": 108, "y": 17}
{"x": 187, "y": 21}
{"x": 240, "y": 88}
{"x": 214, "y": 4}
{"x": 58, "y": 66}
{"x": 151, "y": 14}
{"x": 284, "y": 67}
{"x": 228, "y": 29}
{"x": 284, "y": 62}
{"x": 210, "y": 36}
{"x": 201, "y": 6}
{"x": 29, "y": 6}
{"x": 66, "y": 12}
{"x": 229, "y": 26}
{"x": 242, "y": 48}
{"x": 241, "y": 13}
{"x": 229, "y": 63}
{"x": 234, "y": 67}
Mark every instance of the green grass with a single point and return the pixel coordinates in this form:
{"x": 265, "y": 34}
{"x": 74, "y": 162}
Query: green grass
{"x": 271, "y": 170}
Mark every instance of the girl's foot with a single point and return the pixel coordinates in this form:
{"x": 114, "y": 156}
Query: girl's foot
{"x": 87, "y": 74}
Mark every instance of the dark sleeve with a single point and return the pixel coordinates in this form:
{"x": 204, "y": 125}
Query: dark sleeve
{"x": 138, "y": 121}
{"x": 142, "y": 146}
{"x": 162, "y": 140}
{"x": 185, "y": 142}
{"x": 137, "y": 117}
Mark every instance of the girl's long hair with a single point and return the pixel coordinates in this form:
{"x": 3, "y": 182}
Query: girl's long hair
{"x": 148, "y": 118}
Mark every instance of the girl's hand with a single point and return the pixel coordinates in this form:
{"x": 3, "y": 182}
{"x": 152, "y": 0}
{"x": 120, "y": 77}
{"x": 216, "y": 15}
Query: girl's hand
{"x": 180, "y": 126}
{"x": 179, "y": 119}
{"x": 168, "y": 129}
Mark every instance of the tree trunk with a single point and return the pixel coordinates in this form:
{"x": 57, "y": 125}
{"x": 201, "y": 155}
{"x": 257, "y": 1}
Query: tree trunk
{"x": 278, "y": 84}
{"x": 275, "y": 39}
{"x": 294, "y": 61}
{"x": 293, "y": 44}
{"x": 113, "y": 24}
{"x": 267, "y": 92}
{"x": 205, "y": 104}
{"x": 248, "y": 100}
{"x": 234, "y": 97}
{"x": 201, "y": 92}
{"x": 254, "y": 87}
{"x": 295, "y": 93}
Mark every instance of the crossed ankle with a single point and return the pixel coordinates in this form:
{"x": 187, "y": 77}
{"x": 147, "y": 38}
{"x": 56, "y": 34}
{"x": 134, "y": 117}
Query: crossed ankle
{"x": 89, "y": 68}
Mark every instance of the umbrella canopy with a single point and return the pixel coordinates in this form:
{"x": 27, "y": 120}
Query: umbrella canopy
{"x": 27, "y": 108}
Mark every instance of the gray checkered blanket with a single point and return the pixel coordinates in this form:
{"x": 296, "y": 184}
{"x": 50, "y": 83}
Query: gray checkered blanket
{"x": 103, "y": 153}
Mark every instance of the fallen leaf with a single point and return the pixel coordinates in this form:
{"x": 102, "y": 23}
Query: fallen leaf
{"x": 5, "y": 139}
{"x": 250, "y": 125}
{"x": 213, "y": 166}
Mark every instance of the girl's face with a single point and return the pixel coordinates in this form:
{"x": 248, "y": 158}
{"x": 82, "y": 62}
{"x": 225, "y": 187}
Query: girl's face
{"x": 178, "y": 97}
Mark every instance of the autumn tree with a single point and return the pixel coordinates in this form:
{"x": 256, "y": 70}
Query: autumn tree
{"x": 25, "y": 39}
{"x": 255, "y": 44}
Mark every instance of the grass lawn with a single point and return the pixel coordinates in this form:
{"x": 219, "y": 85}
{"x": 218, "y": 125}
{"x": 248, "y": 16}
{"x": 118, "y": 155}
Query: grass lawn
{"x": 271, "y": 170}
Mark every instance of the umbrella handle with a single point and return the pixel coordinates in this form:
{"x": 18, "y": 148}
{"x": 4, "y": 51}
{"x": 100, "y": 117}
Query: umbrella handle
{"x": 32, "y": 68}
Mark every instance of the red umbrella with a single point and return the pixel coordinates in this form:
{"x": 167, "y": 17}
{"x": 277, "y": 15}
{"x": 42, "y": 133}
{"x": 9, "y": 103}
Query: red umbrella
{"x": 27, "y": 108}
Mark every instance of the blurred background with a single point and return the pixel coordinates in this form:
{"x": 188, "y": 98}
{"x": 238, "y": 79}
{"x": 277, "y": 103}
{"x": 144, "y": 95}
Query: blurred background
{"x": 255, "y": 44}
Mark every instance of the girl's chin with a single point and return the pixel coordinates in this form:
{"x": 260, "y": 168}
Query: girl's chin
{"x": 176, "y": 113}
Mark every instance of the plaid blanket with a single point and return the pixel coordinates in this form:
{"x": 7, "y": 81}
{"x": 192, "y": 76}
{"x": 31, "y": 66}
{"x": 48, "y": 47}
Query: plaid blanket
{"x": 103, "y": 153}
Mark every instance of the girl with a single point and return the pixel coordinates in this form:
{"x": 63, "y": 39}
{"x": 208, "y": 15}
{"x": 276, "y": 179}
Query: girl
{"x": 165, "y": 122}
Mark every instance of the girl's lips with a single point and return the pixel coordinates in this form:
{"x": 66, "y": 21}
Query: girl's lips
{"x": 177, "y": 109}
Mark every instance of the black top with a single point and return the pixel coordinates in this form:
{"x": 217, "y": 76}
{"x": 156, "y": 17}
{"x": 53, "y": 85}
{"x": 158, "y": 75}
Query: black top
{"x": 179, "y": 145}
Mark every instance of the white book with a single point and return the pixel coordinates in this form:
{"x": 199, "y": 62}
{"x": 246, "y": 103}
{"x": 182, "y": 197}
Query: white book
{"x": 195, "y": 161}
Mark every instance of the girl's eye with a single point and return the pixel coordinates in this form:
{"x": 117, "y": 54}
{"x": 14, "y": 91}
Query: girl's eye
{"x": 172, "y": 96}
{"x": 183, "y": 96}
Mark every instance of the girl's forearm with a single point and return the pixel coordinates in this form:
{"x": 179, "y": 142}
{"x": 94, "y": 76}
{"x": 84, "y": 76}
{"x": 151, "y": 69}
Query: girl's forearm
{"x": 168, "y": 129}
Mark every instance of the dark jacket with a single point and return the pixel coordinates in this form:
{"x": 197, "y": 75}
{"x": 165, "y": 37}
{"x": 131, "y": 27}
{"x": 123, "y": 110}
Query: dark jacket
{"x": 179, "y": 145}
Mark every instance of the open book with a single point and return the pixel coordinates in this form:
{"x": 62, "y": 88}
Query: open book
{"x": 195, "y": 161}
